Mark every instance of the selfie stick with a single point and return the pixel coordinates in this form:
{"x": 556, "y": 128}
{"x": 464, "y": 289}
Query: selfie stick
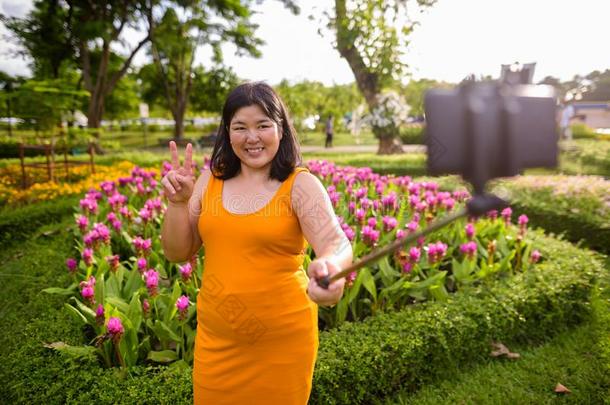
{"x": 478, "y": 205}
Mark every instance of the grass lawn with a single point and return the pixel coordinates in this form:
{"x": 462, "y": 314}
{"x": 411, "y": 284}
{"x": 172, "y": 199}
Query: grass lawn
{"x": 569, "y": 359}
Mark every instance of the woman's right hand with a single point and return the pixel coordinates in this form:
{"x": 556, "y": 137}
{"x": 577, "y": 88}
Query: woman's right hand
{"x": 178, "y": 183}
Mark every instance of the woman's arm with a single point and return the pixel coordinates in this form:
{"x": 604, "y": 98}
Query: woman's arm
{"x": 322, "y": 230}
{"x": 179, "y": 234}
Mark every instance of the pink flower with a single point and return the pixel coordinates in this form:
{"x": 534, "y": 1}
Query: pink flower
{"x": 186, "y": 271}
{"x": 523, "y": 220}
{"x": 102, "y": 231}
{"x": 142, "y": 264}
{"x": 414, "y": 254}
{"x": 361, "y": 192}
{"x": 145, "y": 214}
{"x": 389, "y": 223}
{"x": 142, "y": 245}
{"x": 469, "y": 230}
{"x": 535, "y": 257}
{"x": 349, "y": 279}
{"x": 124, "y": 211}
{"x": 88, "y": 256}
{"x": 493, "y": 214}
{"x": 436, "y": 251}
{"x": 349, "y": 232}
{"x": 369, "y": 235}
{"x": 82, "y": 222}
{"x": 115, "y": 328}
{"x": 351, "y": 207}
{"x": 152, "y": 281}
{"x": 89, "y": 205}
{"x": 389, "y": 201}
{"x": 407, "y": 267}
{"x": 400, "y": 234}
{"x": 412, "y": 226}
{"x": 99, "y": 314}
{"x": 372, "y": 222}
{"x": 365, "y": 203}
{"x": 182, "y": 304}
{"x": 117, "y": 224}
{"x": 469, "y": 249}
{"x": 448, "y": 203}
{"x": 360, "y": 213}
{"x": 87, "y": 293}
{"x": 71, "y": 264}
{"x": 506, "y": 214}
{"x": 145, "y": 307}
{"x": 113, "y": 261}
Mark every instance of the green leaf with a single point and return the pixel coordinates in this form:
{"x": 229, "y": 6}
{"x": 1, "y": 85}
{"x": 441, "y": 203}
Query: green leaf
{"x": 76, "y": 313}
{"x": 133, "y": 283}
{"x": 134, "y": 313}
{"x": 118, "y": 303}
{"x": 84, "y": 310}
{"x": 60, "y": 291}
{"x": 164, "y": 356}
{"x": 369, "y": 282}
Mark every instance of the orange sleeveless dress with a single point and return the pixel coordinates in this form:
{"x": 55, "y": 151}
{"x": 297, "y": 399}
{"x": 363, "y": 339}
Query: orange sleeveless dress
{"x": 257, "y": 329}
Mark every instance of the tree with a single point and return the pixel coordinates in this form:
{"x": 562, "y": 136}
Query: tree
{"x": 176, "y": 37}
{"x": 9, "y": 86}
{"x": 43, "y": 37}
{"x": 77, "y": 30}
{"x": 414, "y": 93}
{"x": 211, "y": 88}
{"x": 370, "y": 36}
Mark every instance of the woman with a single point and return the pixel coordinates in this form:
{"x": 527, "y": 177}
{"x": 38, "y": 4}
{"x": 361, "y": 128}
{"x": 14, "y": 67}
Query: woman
{"x": 254, "y": 212}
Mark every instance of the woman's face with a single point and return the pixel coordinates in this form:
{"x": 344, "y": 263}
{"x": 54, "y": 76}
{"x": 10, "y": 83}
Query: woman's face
{"x": 249, "y": 131}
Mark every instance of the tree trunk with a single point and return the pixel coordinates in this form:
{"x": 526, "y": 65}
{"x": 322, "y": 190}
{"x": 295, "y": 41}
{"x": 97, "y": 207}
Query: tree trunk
{"x": 367, "y": 81}
{"x": 179, "y": 124}
{"x": 389, "y": 145}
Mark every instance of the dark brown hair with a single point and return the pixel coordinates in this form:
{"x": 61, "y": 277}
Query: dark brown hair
{"x": 224, "y": 162}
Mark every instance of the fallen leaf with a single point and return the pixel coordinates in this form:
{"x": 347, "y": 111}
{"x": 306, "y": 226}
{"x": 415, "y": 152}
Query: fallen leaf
{"x": 501, "y": 350}
{"x": 55, "y": 345}
{"x": 562, "y": 389}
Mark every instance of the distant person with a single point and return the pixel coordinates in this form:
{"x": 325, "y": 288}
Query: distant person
{"x": 329, "y": 132}
{"x": 564, "y": 123}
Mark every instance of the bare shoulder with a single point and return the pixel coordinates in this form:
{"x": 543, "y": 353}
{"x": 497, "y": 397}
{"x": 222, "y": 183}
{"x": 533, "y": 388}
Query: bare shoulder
{"x": 201, "y": 183}
{"x": 307, "y": 189}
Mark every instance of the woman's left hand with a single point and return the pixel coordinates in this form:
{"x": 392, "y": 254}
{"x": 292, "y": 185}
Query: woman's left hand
{"x": 318, "y": 269}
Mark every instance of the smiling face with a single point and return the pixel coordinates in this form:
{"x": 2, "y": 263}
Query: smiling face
{"x": 255, "y": 138}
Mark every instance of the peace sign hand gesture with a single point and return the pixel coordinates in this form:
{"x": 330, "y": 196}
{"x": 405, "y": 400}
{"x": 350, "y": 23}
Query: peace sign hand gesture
{"x": 178, "y": 183}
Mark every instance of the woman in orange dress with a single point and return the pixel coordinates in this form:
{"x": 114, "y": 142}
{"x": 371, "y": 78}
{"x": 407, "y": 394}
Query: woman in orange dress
{"x": 254, "y": 212}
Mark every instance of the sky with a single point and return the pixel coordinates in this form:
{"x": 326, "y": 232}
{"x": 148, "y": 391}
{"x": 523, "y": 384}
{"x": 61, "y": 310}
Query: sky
{"x": 454, "y": 38}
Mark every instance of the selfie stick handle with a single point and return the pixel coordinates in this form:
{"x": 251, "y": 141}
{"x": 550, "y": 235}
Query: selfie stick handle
{"x": 477, "y": 206}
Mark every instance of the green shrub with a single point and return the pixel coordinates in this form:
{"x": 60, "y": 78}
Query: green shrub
{"x": 577, "y": 206}
{"x": 372, "y": 359}
{"x": 412, "y": 135}
{"x": 17, "y": 224}
{"x": 582, "y": 131}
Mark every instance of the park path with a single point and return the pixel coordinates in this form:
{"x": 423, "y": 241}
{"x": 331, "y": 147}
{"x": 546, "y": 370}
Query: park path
{"x": 357, "y": 149}
{"x": 322, "y": 149}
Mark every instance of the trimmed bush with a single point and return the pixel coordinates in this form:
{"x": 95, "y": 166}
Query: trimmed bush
{"x": 372, "y": 359}
{"x": 576, "y": 206}
{"x": 17, "y": 224}
{"x": 412, "y": 135}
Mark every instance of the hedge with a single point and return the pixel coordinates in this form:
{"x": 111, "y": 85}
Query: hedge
{"x": 17, "y": 224}
{"x": 580, "y": 215}
{"x": 356, "y": 363}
